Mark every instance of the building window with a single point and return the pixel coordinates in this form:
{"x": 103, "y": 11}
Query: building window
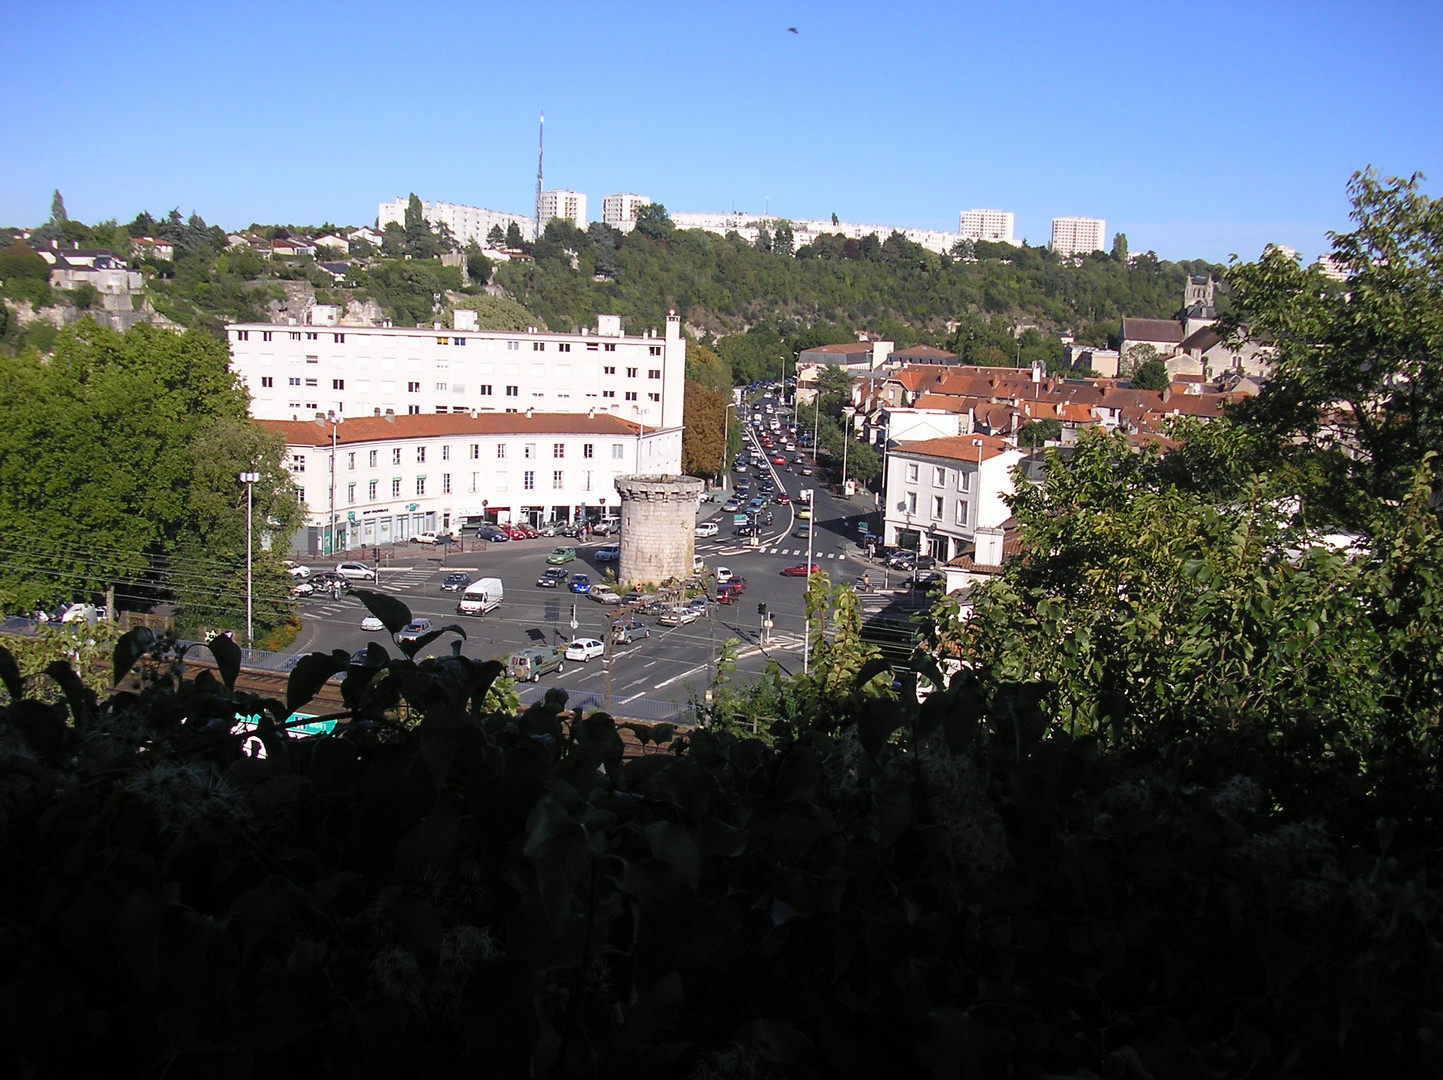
{"x": 501, "y": 450}
{"x": 528, "y": 451}
{"x": 339, "y": 339}
{"x": 420, "y": 455}
{"x": 338, "y": 384}
{"x": 961, "y": 512}
{"x": 458, "y": 341}
{"x": 445, "y": 483}
{"x": 396, "y": 456}
{"x": 608, "y": 393}
{"x": 558, "y": 450}
{"x": 441, "y": 388}
{"x": 266, "y": 380}
{"x": 911, "y": 502}
{"x": 293, "y": 382}
{"x": 513, "y": 346}
{"x": 939, "y": 476}
{"x": 513, "y": 391}
{"x": 618, "y": 451}
{"x": 420, "y": 485}
{"x": 351, "y": 460}
{"x": 631, "y": 372}
{"x": 311, "y": 382}
{"x": 653, "y": 373}
{"x": 446, "y": 452}
{"x": 371, "y": 458}
{"x": 486, "y": 389}
{"x": 654, "y": 350}
{"x": 396, "y": 488}
{"x": 413, "y": 388}
{"x": 587, "y": 486}
{"x": 556, "y": 480}
{"x": 912, "y": 473}
{"x": 413, "y": 410}
{"x": 653, "y": 397}
{"x": 528, "y": 480}
{"x": 564, "y": 346}
{"x": 476, "y": 451}
{"x": 313, "y": 337}
{"x": 631, "y": 395}
{"x": 371, "y": 490}
{"x": 964, "y": 480}
{"x": 587, "y": 450}
{"x": 609, "y": 369}
{"x": 936, "y": 507}
{"x": 242, "y": 335}
{"x": 298, "y": 463}
{"x": 538, "y": 346}
{"x": 301, "y": 495}
{"x": 351, "y": 492}
{"x": 608, "y": 348}
{"x": 265, "y": 335}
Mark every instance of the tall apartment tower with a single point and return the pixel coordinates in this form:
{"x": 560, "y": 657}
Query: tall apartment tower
{"x": 993, "y": 225}
{"x": 619, "y": 211}
{"x": 568, "y": 205}
{"x": 1078, "y": 235}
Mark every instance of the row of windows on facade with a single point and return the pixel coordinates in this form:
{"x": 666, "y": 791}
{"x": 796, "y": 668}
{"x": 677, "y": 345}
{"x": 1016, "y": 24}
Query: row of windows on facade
{"x": 939, "y": 476}
{"x": 528, "y": 451}
{"x": 486, "y": 390}
{"x": 499, "y": 483}
{"x": 413, "y": 363}
{"x": 939, "y": 508}
{"x": 511, "y": 346}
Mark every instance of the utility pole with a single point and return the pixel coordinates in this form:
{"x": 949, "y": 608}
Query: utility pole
{"x": 806, "y": 494}
{"x": 331, "y": 543}
{"x": 540, "y": 156}
{"x": 249, "y": 479}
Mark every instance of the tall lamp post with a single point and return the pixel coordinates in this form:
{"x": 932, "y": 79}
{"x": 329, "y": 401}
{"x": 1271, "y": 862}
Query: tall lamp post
{"x": 335, "y": 422}
{"x": 249, "y": 479}
{"x": 806, "y": 494}
{"x": 977, "y": 494}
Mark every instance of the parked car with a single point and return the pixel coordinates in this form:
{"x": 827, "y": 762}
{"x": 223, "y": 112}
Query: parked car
{"x": 296, "y": 570}
{"x": 493, "y": 533}
{"x": 605, "y": 527}
{"x": 626, "y": 633}
{"x": 707, "y": 528}
{"x": 679, "y": 616}
{"x": 731, "y": 592}
{"x": 580, "y": 583}
{"x": 609, "y": 553}
{"x": 414, "y": 630}
{"x": 551, "y": 577}
{"x": 428, "y": 538}
{"x": 354, "y": 571}
{"x": 584, "y": 649}
{"x": 723, "y": 574}
{"x": 700, "y": 604}
{"x": 516, "y": 532}
{"x": 801, "y": 570}
{"x": 604, "y": 594}
{"x": 561, "y": 555}
{"x": 528, "y": 665}
{"x": 372, "y": 623}
{"x": 528, "y": 530}
{"x": 456, "y": 582}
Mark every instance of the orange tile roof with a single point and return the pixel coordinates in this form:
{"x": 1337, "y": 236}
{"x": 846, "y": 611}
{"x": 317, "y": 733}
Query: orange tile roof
{"x": 957, "y": 447}
{"x": 361, "y": 429}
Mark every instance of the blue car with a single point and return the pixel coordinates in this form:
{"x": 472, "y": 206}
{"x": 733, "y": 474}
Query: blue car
{"x": 580, "y": 583}
{"x": 609, "y": 553}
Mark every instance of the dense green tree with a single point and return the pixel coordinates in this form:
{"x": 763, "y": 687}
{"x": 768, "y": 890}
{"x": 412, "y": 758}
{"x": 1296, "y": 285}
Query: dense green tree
{"x": 702, "y": 449}
{"x": 420, "y": 241}
{"x": 514, "y": 239}
{"x": 478, "y": 266}
{"x": 653, "y": 222}
{"x": 1151, "y": 375}
{"x": 496, "y": 237}
{"x": 1037, "y": 432}
{"x": 1119, "y": 247}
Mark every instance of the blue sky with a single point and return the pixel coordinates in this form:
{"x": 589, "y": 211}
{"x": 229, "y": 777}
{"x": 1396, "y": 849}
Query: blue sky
{"x": 1198, "y": 131}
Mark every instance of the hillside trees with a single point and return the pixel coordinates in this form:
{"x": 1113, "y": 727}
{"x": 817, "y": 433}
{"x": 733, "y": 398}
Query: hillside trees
{"x": 119, "y": 451}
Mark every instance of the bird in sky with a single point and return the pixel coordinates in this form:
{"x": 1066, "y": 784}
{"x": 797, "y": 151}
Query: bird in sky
{"x": 794, "y": 30}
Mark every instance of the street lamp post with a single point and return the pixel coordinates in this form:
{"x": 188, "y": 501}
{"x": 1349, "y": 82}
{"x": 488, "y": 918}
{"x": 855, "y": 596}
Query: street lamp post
{"x": 249, "y": 479}
{"x": 806, "y": 494}
{"x": 335, "y": 422}
{"x": 977, "y": 494}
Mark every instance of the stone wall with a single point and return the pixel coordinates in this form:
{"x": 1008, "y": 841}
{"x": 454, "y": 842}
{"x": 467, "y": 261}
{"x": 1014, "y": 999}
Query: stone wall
{"x": 658, "y": 527}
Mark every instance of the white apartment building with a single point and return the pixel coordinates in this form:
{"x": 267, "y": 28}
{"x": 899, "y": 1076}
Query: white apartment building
{"x": 619, "y": 211}
{"x": 295, "y": 372}
{"x": 567, "y": 205}
{"x": 1078, "y": 235}
{"x": 993, "y": 225}
{"x": 748, "y": 226}
{"x": 939, "y": 492}
{"x": 466, "y": 223}
{"x": 385, "y": 478}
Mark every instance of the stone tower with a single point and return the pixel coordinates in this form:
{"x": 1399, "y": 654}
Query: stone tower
{"x": 658, "y": 527}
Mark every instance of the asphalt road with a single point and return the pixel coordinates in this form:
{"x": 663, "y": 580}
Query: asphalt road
{"x": 674, "y": 664}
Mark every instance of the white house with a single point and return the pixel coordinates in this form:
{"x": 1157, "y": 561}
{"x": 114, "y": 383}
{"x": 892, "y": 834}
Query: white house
{"x": 296, "y": 371}
{"x": 386, "y": 478}
{"x": 939, "y": 492}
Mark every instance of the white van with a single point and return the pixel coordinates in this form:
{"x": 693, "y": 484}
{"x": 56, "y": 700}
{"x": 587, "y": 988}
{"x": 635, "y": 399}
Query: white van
{"x": 480, "y": 596}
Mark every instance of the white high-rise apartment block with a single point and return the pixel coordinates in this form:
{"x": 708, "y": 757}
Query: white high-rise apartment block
{"x": 993, "y": 225}
{"x": 296, "y": 372}
{"x": 567, "y": 205}
{"x": 619, "y": 211}
{"x": 1078, "y": 235}
{"x": 466, "y": 223}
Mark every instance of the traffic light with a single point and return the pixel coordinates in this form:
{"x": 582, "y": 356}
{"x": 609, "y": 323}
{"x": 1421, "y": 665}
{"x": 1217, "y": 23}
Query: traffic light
{"x": 762, "y": 610}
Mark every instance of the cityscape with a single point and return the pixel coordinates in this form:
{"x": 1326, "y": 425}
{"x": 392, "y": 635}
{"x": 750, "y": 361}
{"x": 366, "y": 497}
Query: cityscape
{"x": 839, "y": 550}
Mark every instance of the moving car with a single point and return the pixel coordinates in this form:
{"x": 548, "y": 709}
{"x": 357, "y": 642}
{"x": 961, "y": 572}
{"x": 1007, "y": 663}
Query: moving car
{"x": 302, "y": 588}
{"x": 328, "y": 578}
{"x": 560, "y": 555}
{"x": 723, "y": 574}
{"x": 731, "y": 592}
{"x": 805, "y": 513}
{"x": 456, "y": 582}
{"x": 679, "y": 616}
{"x": 783, "y": 499}
{"x": 626, "y": 633}
{"x": 355, "y": 571}
{"x": 605, "y": 527}
{"x": 731, "y": 506}
{"x": 707, "y": 528}
{"x": 580, "y": 583}
{"x": 551, "y": 577}
{"x": 296, "y": 570}
{"x": 803, "y": 531}
{"x": 428, "y": 538}
{"x": 609, "y": 553}
{"x": 801, "y": 570}
{"x": 779, "y": 460}
{"x": 584, "y": 649}
{"x": 481, "y": 596}
{"x": 528, "y": 665}
{"x": 414, "y": 630}
{"x": 604, "y": 594}
{"x": 371, "y": 623}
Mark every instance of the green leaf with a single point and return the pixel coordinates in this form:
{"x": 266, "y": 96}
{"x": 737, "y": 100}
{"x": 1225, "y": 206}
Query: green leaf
{"x": 393, "y": 614}
{"x": 10, "y": 675}
{"x": 133, "y": 644}
{"x": 556, "y": 848}
{"x": 227, "y": 658}
{"x": 81, "y": 699}
{"x": 411, "y": 648}
{"x": 310, "y": 674}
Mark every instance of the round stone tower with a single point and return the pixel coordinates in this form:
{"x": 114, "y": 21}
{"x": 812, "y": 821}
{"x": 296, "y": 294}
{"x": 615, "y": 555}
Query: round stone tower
{"x": 658, "y": 527}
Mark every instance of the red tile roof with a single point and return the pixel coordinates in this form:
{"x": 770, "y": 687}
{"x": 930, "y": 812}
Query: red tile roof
{"x": 439, "y": 425}
{"x": 957, "y": 447}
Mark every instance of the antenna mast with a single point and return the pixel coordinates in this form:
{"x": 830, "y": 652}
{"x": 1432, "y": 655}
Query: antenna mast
{"x": 540, "y": 156}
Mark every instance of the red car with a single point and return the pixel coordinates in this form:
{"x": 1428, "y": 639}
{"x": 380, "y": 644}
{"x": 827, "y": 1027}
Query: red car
{"x": 516, "y": 532}
{"x": 732, "y": 591}
{"x": 779, "y": 460}
{"x": 783, "y": 499}
{"x": 800, "y": 570}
